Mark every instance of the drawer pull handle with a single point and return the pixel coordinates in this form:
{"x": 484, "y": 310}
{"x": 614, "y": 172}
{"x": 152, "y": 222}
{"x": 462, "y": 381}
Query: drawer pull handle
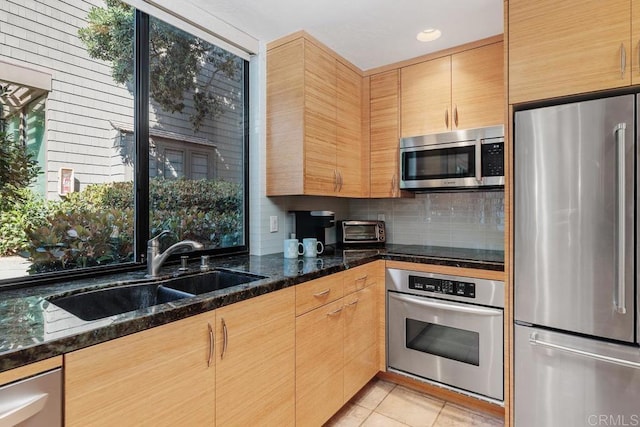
{"x": 211, "y": 345}
{"x": 335, "y": 312}
{"x": 362, "y": 278}
{"x": 322, "y": 294}
{"x": 351, "y": 304}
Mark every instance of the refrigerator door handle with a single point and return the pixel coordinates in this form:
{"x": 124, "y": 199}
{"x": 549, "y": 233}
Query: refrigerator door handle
{"x": 533, "y": 340}
{"x": 620, "y": 303}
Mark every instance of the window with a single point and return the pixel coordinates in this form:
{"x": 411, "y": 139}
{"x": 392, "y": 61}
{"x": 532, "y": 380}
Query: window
{"x": 190, "y": 142}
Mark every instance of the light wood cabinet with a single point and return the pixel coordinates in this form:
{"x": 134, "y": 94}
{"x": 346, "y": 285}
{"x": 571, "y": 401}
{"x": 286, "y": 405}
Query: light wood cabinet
{"x": 157, "y": 377}
{"x": 314, "y": 121}
{"x": 318, "y": 292}
{"x": 360, "y": 339}
{"x": 255, "y": 366}
{"x": 635, "y": 42}
{"x": 384, "y": 134}
{"x": 337, "y": 343}
{"x": 569, "y": 47}
{"x": 319, "y": 364}
{"x": 426, "y": 97}
{"x": 460, "y": 91}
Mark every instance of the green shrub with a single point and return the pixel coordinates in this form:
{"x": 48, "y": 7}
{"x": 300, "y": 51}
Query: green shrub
{"x": 95, "y": 226}
{"x": 28, "y": 211}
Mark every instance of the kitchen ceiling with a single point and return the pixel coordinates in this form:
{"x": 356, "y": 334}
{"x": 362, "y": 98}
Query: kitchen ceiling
{"x": 369, "y": 33}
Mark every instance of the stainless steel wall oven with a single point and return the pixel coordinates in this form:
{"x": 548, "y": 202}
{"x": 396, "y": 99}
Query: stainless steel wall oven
{"x": 447, "y": 330}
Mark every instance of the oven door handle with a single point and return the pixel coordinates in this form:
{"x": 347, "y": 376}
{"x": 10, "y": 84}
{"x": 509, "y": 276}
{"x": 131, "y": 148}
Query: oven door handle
{"x": 480, "y": 311}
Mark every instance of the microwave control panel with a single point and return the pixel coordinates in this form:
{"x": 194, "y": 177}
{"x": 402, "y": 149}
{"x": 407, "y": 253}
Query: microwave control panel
{"x": 493, "y": 159}
{"x": 441, "y": 286}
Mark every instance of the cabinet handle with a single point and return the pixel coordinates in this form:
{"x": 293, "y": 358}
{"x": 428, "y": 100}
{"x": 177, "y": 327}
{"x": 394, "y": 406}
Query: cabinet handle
{"x": 455, "y": 115}
{"x": 340, "y": 176}
{"x": 362, "y": 278}
{"x": 335, "y": 312}
{"x": 393, "y": 185}
{"x": 225, "y": 339}
{"x": 211, "y": 345}
{"x": 446, "y": 118}
{"x": 335, "y": 180}
{"x": 351, "y": 304}
{"x": 623, "y": 60}
{"x": 323, "y": 293}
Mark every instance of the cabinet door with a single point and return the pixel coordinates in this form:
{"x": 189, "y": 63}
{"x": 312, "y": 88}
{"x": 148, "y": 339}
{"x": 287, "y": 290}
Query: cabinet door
{"x": 477, "y": 87}
{"x": 384, "y": 134}
{"x": 360, "y": 339}
{"x": 426, "y": 97}
{"x": 255, "y": 375}
{"x": 567, "y": 47}
{"x": 349, "y": 161}
{"x": 319, "y": 364}
{"x": 320, "y": 174}
{"x": 285, "y": 119}
{"x": 158, "y": 377}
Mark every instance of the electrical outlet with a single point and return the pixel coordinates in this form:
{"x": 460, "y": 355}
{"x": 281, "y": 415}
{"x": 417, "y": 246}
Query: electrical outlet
{"x": 273, "y": 224}
{"x": 380, "y": 217}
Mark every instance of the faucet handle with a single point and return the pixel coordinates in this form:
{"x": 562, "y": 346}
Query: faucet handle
{"x": 155, "y": 241}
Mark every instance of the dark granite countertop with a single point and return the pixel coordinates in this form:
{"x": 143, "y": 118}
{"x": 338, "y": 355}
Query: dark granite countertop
{"x": 32, "y": 329}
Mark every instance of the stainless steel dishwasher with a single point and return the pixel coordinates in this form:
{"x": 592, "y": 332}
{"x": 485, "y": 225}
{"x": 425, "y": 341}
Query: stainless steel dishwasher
{"x": 33, "y": 402}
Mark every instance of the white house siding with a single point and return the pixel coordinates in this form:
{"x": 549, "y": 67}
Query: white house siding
{"x": 83, "y": 97}
{"x": 84, "y": 100}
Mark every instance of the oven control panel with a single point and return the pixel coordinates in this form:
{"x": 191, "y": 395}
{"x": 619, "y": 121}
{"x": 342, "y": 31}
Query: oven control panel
{"x": 443, "y": 286}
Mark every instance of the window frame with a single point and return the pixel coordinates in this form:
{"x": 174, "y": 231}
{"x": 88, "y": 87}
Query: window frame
{"x": 141, "y": 137}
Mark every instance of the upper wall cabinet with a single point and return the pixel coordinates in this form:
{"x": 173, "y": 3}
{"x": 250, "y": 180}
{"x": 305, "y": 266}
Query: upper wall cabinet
{"x": 314, "y": 121}
{"x": 461, "y": 91}
{"x": 559, "y": 48}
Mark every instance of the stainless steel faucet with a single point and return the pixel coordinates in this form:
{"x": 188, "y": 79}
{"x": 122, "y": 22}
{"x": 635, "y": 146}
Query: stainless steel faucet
{"x": 155, "y": 259}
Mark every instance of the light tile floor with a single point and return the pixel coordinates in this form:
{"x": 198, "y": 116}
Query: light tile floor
{"x": 385, "y": 404}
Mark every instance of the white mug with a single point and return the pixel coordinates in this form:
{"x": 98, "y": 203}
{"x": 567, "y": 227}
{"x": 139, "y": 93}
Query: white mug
{"x": 292, "y": 248}
{"x": 312, "y": 247}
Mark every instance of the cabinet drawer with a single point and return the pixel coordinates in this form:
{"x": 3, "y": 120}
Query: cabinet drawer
{"x": 360, "y": 277}
{"x": 316, "y": 293}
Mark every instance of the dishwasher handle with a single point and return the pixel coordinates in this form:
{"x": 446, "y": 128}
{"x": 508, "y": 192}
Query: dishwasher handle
{"x": 449, "y": 306}
{"x": 23, "y": 410}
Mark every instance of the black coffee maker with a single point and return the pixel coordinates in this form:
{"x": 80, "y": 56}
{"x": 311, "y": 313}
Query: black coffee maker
{"x": 313, "y": 223}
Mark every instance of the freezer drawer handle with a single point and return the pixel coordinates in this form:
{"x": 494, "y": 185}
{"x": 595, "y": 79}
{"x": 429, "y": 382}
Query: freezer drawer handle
{"x": 446, "y": 306}
{"x": 23, "y": 411}
{"x": 533, "y": 340}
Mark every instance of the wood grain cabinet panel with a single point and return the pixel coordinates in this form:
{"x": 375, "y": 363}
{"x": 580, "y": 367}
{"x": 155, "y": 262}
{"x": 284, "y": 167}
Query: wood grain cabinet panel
{"x": 384, "y": 134}
{"x": 426, "y": 97}
{"x": 255, "y": 377}
{"x": 360, "y": 339}
{"x": 559, "y": 48}
{"x": 314, "y": 121}
{"x": 319, "y": 364}
{"x": 477, "y": 87}
{"x": 635, "y": 42}
{"x": 318, "y": 292}
{"x": 157, "y": 377}
{"x": 460, "y": 91}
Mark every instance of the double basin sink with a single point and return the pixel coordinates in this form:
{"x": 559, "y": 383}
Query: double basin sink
{"x": 101, "y": 303}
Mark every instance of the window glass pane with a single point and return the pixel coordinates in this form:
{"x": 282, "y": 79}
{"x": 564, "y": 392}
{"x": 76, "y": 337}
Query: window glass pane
{"x": 197, "y": 124}
{"x": 75, "y": 210}
{"x": 452, "y": 343}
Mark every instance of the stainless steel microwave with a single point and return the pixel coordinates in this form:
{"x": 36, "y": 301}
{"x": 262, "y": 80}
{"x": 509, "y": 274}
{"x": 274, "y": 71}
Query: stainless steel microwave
{"x": 351, "y": 233}
{"x": 463, "y": 159}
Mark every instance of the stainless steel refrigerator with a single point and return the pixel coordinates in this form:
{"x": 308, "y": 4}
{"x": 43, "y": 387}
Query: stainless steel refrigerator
{"x": 577, "y": 360}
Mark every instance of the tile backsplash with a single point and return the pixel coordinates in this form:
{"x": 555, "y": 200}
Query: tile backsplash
{"x": 466, "y": 219}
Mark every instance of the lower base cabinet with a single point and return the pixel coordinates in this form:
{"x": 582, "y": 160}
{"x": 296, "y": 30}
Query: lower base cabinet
{"x": 337, "y": 346}
{"x": 255, "y": 366}
{"x": 157, "y": 377}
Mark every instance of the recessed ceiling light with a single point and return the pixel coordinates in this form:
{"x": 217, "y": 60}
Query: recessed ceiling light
{"x": 429, "y": 35}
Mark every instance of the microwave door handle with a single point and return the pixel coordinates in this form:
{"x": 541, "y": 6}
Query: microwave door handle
{"x": 480, "y": 311}
{"x": 479, "y": 160}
